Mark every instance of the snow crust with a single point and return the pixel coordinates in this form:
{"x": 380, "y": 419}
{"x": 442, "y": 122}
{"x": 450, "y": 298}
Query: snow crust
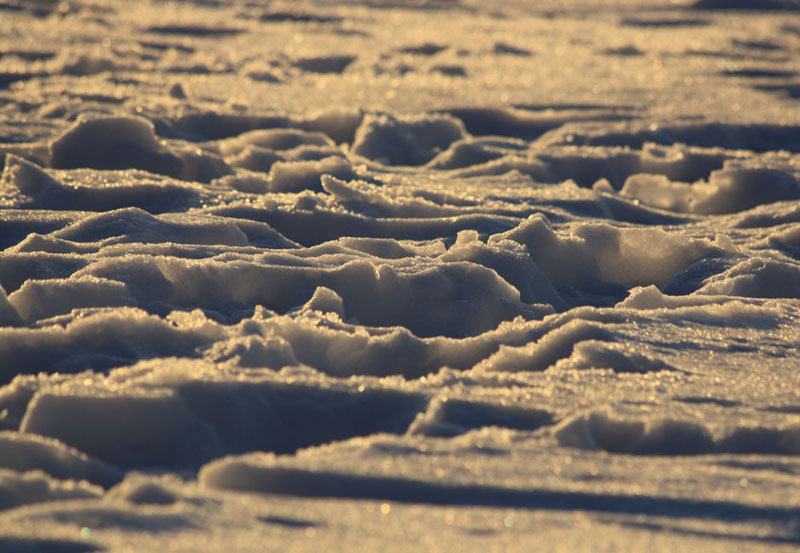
{"x": 433, "y": 274}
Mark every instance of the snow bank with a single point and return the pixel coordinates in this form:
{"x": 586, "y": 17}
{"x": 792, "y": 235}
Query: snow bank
{"x": 673, "y": 437}
{"x": 592, "y": 252}
{"x": 103, "y": 339}
{"x": 92, "y": 190}
{"x": 136, "y": 225}
{"x": 8, "y": 314}
{"x": 650, "y": 297}
{"x": 668, "y": 437}
{"x": 162, "y": 414}
{"x": 26, "y": 176}
{"x": 393, "y": 258}
{"x": 410, "y": 141}
{"x": 28, "y": 452}
{"x": 41, "y": 299}
{"x": 538, "y": 356}
{"x": 446, "y": 417}
{"x": 510, "y": 261}
{"x": 598, "y": 354}
{"x": 294, "y": 176}
{"x": 729, "y": 190}
{"x": 113, "y": 143}
{"x": 263, "y": 476}
{"x": 272, "y": 139}
{"x": 18, "y": 489}
{"x": 757, "y": 277}
{"x": 451, "y": 299}
{"x": 141, "y": 489}
{"x": 127, "y": 430}
{"x": 466, "y": 153}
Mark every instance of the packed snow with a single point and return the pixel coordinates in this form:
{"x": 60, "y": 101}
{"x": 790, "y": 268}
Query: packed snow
{"x": 395, "y": 275}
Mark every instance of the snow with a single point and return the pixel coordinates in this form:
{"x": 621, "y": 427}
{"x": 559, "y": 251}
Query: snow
{"x": 391, "y": 275}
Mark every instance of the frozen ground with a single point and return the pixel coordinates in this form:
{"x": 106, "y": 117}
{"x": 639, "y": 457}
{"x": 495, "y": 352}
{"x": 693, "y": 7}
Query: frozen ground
{"x": 399, "y": 275}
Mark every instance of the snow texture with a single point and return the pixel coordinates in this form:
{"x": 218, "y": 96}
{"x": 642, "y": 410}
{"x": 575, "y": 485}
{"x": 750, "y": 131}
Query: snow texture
{"x": 399, "y": 275}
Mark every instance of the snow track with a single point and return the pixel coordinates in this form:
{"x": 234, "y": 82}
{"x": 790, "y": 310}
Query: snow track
{"x": 442, "y": 275}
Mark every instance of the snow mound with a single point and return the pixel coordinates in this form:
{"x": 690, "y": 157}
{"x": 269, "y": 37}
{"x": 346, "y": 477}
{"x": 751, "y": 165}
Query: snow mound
{"x": 412, "y": 141}
{"x": 113, "y": 143}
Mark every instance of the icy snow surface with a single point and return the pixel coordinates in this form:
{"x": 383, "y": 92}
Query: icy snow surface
{"x": 399, "y": 275}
